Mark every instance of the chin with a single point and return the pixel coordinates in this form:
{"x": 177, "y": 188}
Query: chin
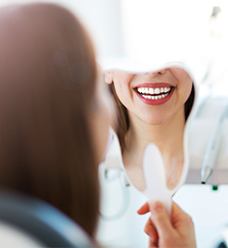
{"x": 155, "y": 120}
{"x": 157, "y": 117}
{"x": 153, "y": 117}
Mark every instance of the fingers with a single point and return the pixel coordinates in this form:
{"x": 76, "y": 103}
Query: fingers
{"x": 161, "y": 219}
{"x": 144, "y": 209}
{"x": 150, "y": 230}
{"x": 165, "y": 230}
{"x": 179, "y": 216}
{"x": 177, "y": 210}
{"x": 152, "y": 244}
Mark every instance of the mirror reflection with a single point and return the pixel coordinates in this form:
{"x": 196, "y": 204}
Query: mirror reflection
{"x": 152, "y": 107}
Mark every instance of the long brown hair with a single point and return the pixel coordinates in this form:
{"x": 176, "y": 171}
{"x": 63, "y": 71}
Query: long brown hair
{"x": 47, "y": 85}
{"x": 123, "y": 122}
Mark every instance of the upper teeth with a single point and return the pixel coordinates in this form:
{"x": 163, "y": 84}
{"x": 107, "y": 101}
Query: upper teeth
{"x": 153, "y": 90}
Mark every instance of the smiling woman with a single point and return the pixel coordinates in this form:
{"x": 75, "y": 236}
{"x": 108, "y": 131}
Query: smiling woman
{"x": 153, "y": 108}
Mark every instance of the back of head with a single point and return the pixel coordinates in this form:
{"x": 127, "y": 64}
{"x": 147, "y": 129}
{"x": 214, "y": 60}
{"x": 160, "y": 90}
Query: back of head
{"x": 47, "y": 85}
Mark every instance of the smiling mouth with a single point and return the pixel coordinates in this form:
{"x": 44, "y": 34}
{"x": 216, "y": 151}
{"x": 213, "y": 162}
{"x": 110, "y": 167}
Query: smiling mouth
{"x": 154, "y": 94}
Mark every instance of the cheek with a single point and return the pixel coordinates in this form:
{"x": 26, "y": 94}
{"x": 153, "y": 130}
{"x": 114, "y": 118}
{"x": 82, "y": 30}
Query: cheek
{"x": 185, "y": 91}
{"x": 185, "y": 84}
{"x": 123, "y": 93}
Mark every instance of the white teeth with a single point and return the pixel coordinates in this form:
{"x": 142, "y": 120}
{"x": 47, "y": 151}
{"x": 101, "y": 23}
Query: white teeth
{"x": 140, "y": 90}
{"x": 153, "y": 91}
{"x": 146, "y": 96}
{"x": 167, "y": 89}
{"x": 155, "y": 97}
{"x": 157, "y": 91}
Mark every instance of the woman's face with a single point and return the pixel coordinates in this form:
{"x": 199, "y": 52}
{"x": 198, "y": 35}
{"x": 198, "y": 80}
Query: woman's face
{"x": 102, "y": 118}
{"x": 153, "y": 97}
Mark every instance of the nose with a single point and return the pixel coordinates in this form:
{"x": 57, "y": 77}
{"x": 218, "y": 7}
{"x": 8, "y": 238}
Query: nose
{"x": 159, "y": 72}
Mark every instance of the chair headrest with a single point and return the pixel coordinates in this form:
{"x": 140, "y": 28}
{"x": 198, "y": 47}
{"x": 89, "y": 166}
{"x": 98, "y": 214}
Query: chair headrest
{"x": 41, "y": 221}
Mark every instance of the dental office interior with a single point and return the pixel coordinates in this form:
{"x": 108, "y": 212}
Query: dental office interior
{"x": 162, "y": 35}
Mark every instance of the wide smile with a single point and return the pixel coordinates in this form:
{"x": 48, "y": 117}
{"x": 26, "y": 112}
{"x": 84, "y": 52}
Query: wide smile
{"x": 154, "y": 93}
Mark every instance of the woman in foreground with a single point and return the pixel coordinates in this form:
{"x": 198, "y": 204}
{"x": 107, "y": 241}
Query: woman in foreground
{"x": 49, "y": 93}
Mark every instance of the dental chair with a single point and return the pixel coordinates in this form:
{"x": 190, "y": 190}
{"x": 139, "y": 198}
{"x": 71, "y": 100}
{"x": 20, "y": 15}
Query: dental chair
{"x": 26, "y": 223}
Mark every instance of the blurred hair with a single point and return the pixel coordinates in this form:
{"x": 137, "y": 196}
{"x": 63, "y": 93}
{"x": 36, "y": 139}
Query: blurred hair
{"x": 47, "y": 87}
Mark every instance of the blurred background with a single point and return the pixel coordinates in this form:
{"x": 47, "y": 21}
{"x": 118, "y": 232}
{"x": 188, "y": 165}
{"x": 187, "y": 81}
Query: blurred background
{"x": 194, "y": 31}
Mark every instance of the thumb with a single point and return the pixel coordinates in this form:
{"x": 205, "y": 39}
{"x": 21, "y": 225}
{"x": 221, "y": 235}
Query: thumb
{"x": 161, "y": 219}
{"x": 177, "y": 212}
{"x": 180, "y": 217}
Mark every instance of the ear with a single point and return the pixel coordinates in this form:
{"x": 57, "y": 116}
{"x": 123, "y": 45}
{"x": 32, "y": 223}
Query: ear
{"x": 108, "y": 77}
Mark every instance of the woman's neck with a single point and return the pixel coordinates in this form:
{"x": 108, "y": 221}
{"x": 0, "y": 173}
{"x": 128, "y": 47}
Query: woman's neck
{"x": 167, "y": 136}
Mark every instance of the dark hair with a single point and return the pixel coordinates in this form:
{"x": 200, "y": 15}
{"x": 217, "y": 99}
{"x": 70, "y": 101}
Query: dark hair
{"x": 123, "y": 122}
{"x": 47, "y": 87}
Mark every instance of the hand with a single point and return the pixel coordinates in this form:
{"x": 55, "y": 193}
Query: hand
{"x": 164, "y": 231}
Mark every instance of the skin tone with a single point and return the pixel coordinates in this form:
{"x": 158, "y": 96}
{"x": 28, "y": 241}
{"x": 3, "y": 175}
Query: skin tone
{"x": 166, "y": 231}
{"x": 161, "y": 124}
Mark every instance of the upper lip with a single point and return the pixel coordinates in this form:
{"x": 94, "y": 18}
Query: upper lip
{"x": 154, "y": 85}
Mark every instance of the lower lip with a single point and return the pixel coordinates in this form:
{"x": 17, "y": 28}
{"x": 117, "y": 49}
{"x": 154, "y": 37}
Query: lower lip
{"x": 156, "y": 101}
